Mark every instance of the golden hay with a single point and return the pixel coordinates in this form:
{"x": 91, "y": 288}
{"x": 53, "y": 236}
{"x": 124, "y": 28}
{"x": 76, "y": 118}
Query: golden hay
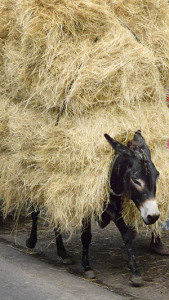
{"x": 149, "y": 20}
{"x": 50, "y": 56}
{"x": 78, "y": 53}
{"x": 64, "y": 169}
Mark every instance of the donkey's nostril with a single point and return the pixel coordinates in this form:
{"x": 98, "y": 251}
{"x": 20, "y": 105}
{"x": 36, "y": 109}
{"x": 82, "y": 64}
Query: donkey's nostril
{"x": 152, "y": 219}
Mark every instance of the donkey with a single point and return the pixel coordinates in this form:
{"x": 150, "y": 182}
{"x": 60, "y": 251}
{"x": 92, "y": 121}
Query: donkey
{"x": 133, "y": 175}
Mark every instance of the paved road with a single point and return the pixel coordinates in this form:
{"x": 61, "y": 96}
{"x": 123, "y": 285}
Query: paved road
{"x": 24, "y": 277}
{"x": 108, "y": 258}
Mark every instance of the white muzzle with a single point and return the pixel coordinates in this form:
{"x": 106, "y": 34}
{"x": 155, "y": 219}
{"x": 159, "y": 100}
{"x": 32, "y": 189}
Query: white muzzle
{"x": 149, "y": 211}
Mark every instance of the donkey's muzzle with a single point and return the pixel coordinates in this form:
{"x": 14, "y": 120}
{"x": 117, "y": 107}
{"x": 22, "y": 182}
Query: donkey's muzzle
{"x": 149, "y": 211}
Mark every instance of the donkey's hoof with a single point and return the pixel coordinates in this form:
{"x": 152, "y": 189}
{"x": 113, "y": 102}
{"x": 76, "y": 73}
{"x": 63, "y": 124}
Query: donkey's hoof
{"x": 89, "y": 274}
{"x": 159, "y": 249}
{"x": 67, "y": 260}
{"x": 30, "y": 244}
{"x": 136, "y": 280}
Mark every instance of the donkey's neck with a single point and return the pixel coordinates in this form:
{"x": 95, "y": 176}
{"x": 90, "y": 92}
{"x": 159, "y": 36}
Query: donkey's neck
{"x": 117, "y": 175}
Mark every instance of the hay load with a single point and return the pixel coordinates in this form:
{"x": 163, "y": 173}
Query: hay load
{"x": 149, "y": 20}
{"x": 75, "y": 68}
{"x": 78, "y": 55}
{"x": 64, "y": 169}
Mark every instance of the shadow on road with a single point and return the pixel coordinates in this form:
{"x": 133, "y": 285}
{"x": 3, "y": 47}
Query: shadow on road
{"x": 107, "y": 255}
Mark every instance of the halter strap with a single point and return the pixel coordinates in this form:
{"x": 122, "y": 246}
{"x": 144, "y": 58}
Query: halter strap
{"x": 114, "y": 194}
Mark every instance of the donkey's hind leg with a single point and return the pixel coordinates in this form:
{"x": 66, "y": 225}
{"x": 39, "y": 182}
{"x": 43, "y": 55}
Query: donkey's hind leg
{"x": 66, "y": 259}
{"x": 32, "y": 240}
{"x": 86, "y": 240}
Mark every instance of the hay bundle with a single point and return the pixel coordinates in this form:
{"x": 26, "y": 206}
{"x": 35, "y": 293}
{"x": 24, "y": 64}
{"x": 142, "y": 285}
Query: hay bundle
{"x": 64, "y": 169}
{"x": 75, "y": 68}
{"x": 149, "y": 20}
{"x": 75, "y": 53}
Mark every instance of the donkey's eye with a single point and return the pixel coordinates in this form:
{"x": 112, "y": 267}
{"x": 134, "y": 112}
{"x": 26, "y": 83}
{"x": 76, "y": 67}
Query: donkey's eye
{"x": 137, "y": 183}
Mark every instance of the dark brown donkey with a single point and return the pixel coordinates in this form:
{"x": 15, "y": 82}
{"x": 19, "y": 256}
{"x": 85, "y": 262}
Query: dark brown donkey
{"x": 133, "y": 175}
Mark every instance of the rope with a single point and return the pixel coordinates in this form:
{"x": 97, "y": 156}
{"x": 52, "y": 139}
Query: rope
{"x": 133, "y": 33}
{"x": 63, "y": 108}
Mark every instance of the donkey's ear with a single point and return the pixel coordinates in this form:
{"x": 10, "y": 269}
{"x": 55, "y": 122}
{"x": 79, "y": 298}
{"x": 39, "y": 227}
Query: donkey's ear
{"x": 138, "y": 137}
{"x": 142, "y": 144}
{"x": 118, "y": 147}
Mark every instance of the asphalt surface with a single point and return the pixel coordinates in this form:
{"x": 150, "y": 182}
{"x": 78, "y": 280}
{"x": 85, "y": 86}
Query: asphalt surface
{"x": 23, "y": 277}
{"x": 108, "y": 258}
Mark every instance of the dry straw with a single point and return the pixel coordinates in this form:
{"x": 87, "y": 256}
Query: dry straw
{"x": 50, "y": 56}
{"x": 84, "y": 55}
{"x": 64, "y": 169}
{"x": 149, "y": 20}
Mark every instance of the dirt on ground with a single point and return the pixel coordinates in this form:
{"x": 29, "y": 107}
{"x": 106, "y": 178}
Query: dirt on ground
{"x": 108, "y": 257}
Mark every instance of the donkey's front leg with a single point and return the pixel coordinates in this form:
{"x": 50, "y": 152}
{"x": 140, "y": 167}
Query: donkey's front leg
{"x": 32, "y": 240}
{"x": 66, "y": 259}
{"x": 128, "y": 235}
{"x": 86, "y": 240}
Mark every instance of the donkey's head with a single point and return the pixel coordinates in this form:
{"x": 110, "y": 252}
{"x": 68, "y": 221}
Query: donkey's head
{"x": 137, "y": 175}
